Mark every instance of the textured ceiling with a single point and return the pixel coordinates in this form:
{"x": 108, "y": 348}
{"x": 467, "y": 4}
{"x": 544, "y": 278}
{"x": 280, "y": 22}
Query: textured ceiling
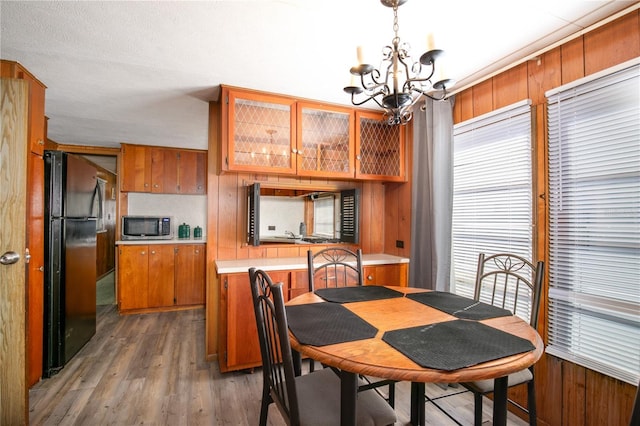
{"x": 143, "y": 72}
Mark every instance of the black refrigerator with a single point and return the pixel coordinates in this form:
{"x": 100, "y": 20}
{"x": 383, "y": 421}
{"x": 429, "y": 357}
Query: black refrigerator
{"x": 72, "y": 200}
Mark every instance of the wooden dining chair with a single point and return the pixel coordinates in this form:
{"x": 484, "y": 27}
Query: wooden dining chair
{"x": 340, "y": 267}
{"x": 309, "y": 399}
{"x": 510, "y": 282}
{"x": 334, "y": 267}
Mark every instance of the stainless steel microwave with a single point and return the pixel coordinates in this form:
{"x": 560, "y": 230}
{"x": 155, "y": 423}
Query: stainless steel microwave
{"x": 147, "y": 228}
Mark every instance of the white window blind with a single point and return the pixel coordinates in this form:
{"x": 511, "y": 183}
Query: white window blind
{"x": 492, "y": 190}
{"x": 594, "y": 219}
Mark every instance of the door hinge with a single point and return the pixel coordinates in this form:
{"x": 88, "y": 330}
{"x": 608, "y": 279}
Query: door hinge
{"x": 226, "y": 284}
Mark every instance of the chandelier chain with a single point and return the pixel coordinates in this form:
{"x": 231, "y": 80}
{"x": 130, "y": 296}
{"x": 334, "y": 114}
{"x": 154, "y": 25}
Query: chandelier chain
{"x": 396, "y": 27}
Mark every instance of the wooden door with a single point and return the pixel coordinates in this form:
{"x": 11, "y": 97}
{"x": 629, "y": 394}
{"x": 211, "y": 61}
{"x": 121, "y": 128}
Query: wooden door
{"x": 380, "y": 148}
{"x": 13, "y": 198}
{"x": 133, "y": 276}
{"x": 192, "y": 172}
{"x": 260, "y": 132}
{"x": 164, "y": 170}
{"x": 242, "y": 345}
{"x": 161, "y": 275}
{"x": 136, "y": 169}
{"x": 36, "y": 123}
{"x": 190, "y": 274}
{"x": 299, "y": 284}
{"x": 395, "y": 274}
{"x": 325, "y": 140}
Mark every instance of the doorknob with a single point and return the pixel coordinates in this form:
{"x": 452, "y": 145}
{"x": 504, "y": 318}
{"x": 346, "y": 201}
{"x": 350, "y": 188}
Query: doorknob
{"x": 9, "y": 258}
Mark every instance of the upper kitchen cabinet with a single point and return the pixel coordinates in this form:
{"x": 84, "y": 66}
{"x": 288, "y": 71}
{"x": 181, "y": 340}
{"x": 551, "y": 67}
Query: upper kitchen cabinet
{"x": 136, "y": 168}
{"x": 36, "y": 120}
{"x": 163, "y": 170}
{"x": 380, "y": 148}
{"x": 279, "y": 134}
{"x": 258, "y": 132}
{"x": 325, "y": 140}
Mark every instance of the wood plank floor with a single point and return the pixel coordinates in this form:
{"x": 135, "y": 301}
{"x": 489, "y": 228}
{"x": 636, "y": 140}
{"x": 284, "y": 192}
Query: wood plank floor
{"x": 150, "y": 369}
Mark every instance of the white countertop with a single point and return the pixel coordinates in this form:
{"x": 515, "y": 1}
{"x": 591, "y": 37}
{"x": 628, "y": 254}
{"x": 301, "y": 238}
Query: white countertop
{"x": 202, "y": 240}
{"x": 284, "y": 263}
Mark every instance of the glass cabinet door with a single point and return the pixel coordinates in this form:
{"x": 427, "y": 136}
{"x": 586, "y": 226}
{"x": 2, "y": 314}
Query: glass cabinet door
{"x": 325, "y": 140}
{"x": 380, "y": 148}
{"x": 261, "y": 131}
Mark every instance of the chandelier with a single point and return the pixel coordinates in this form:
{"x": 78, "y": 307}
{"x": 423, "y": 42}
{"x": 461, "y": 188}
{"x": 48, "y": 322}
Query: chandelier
{"x": 400, "y": 81}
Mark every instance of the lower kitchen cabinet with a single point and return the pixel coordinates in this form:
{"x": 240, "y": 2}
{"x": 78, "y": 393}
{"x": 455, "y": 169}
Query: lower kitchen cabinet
{"x": 160, "y": 276}
{"x": 397, "y": 274}
{"x": 190, "y": 274}
{"x": 238, "y": 346}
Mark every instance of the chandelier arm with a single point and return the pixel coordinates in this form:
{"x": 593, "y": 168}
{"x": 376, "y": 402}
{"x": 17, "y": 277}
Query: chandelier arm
{"x": 374, "y": 75}
{"x": 428, "y": 95}
{"x": 369, "y": 98}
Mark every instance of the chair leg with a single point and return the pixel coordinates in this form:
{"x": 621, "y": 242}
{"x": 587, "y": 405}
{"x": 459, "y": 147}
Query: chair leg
{"x": 392, "y": 395}
{"x": 531, "y": 402}
{"x": 264, "y": 406}
{"x": 477, "y": 409}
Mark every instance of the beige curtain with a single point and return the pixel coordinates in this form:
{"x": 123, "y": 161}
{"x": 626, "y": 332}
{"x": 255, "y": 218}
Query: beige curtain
{"x": 432, "y": 195}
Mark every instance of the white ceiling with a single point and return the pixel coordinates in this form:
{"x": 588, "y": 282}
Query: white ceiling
{"x": 143, "y": 71}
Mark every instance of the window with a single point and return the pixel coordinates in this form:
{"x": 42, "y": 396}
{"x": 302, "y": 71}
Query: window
{"x": 492, "y": 190}
{"x": 594, "y": 219}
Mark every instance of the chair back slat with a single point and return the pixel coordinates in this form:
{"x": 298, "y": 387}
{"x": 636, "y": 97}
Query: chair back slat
{"x": 510, "y": 282}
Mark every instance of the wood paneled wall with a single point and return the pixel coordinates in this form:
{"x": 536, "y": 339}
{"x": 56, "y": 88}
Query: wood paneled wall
{"x": 567, "y": 394}
{"x": 385, "y": 217}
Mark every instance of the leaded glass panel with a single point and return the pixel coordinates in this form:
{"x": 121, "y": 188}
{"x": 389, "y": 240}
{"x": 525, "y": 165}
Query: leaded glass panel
{"x": 262, "y": 134}
{"x": 325, "y": 141}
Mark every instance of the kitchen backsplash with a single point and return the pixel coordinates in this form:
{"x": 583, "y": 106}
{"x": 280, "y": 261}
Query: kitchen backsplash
{"x": 279, "y": 214}
{"x": 189, "y": 209}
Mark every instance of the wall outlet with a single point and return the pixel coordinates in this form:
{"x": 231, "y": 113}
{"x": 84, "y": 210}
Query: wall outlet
{"x": 271, "y": 227}
{"x": 399, "y": 244}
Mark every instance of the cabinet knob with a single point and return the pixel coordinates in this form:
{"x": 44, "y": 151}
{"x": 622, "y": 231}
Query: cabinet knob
{"x": 155, "y": 186}
{"x": 40, "y": 142}
{"x": 370, "y": 277}
{"x": 358, "y": 157}
{"x": 143, "y": 252}
{"x": 153, "y": 252}
{"x": 146, "y": 185}
{"x": 197, "y": 252}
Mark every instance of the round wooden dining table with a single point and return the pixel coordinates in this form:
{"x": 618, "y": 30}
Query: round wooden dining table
{"x": 375, "y": 357}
